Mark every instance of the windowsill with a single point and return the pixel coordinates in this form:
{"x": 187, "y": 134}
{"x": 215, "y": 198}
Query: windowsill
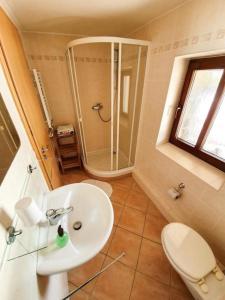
{"x": 209, "y": 174}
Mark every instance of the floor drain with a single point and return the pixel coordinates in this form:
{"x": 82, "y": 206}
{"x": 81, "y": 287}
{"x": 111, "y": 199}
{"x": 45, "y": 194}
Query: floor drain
{"x": 77, "y": 225}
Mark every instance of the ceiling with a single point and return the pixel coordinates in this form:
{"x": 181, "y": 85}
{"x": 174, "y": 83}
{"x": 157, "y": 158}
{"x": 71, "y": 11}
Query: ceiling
{"x": 88, "y": 17}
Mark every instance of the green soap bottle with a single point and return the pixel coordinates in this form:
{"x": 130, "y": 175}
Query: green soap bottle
{"x": 62, "y": 237}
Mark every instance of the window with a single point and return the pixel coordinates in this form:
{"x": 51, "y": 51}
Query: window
{"x": 125, "y": 90}
{"x": 199, "y": 123}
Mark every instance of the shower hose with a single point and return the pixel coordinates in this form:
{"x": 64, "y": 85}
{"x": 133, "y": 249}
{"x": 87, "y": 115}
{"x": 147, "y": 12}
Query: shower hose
{"x": 103, "y": 120}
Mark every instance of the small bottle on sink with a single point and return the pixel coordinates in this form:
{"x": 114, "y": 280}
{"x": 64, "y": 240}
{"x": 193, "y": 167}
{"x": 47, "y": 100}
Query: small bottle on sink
{"x": 62, "y": 237}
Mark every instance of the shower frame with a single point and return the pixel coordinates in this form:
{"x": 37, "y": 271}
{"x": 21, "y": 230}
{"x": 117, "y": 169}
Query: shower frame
{"x": 76, "y": 97}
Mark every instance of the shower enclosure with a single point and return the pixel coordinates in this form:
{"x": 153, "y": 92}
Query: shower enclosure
{"x": 107, "y": 76}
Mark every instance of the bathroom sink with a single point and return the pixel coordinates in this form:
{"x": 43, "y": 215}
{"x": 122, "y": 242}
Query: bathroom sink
{"x": 91, "y": 207}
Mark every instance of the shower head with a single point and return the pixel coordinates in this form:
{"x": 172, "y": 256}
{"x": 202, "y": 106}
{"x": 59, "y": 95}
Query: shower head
{"x": 97, "y": 106}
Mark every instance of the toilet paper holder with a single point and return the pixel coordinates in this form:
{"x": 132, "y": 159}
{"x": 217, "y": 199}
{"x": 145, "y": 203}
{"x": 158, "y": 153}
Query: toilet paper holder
{"x": 180, "y": 187}
{"x": 176, "y": 193}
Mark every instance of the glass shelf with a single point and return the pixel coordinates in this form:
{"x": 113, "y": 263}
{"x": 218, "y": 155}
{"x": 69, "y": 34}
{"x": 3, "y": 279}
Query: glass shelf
{"x": 28, "y": 242}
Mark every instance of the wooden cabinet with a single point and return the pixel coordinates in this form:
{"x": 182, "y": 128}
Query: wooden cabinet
{"x": 68, "y": 151}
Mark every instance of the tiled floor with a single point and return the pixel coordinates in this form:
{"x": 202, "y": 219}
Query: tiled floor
{"x": 144, "y": 272}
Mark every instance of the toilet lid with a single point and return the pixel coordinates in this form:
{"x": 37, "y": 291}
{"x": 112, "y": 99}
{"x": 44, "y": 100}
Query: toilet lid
{"x": 188, "y": 250}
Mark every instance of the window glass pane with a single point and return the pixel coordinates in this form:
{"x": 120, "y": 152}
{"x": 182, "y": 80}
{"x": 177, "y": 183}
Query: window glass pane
{"x": 199, "y": 99}
{"x": 215, "y": 142}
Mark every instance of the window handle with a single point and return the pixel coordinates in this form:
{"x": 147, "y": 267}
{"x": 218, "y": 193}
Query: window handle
{"x": 179, "y": 107}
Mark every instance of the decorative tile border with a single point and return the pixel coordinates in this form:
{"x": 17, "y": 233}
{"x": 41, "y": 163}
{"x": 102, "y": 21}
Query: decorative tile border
{"x": 80, "y": 59}
{"x": 46, "y": 57}
{"x": 194, "y": 40}
{"x": 63, "y": 58}
{"x": 92, "y": 59}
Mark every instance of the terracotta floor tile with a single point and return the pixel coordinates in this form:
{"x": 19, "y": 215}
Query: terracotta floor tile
{"x": 79, "y": 275}
{"x": 119, "y": 195}
{"x": 153, "y": 227}
{"x": 136, "y": 187}
{"x": 125, "y": 182}
{"x": 137, "y": 200}
{"x": 125, "y": 241}
{"x": 80, "y": 295}
{"x": 153, "y": 262}
{"x": 74, "y": 176}
{"x": 132, "y": 220}
{"x": 145, "y": 288}
{"x": 180, "y": 295}
{"x": 153, "y": 210}
{"x": 71, "y": 286}
{"x": 117, "y": 212}
{"x": 106, "y": 247}
{"x": 115, "y": 283}
{"x": 176, "y": 281}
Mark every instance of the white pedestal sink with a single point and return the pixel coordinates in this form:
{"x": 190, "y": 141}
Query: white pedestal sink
{"x": 93, "y": 208}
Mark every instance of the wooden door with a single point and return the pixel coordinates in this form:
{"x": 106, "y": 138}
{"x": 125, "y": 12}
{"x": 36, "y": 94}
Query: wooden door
{"x": 20, "y": 81}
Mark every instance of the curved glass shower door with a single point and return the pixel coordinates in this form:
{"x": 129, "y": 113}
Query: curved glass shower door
{"x": 107, "y": 81}
{"x": 127, "y": 102}
{"x": 93, "y": 73}
{"x": 131, "y": 70}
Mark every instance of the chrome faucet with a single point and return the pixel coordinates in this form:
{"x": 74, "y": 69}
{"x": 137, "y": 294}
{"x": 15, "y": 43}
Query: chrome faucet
{"x": 54, "y": 215}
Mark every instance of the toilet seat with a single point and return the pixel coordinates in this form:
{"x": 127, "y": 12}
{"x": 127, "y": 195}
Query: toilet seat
{"x": 188, "y": 252}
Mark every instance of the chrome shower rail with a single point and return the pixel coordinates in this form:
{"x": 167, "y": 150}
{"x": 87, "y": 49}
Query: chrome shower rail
{"x": 93, "y": 277}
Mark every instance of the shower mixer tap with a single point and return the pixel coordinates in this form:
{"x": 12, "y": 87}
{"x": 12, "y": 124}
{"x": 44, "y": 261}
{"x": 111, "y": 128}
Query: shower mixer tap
{"x": 97, "y": 106}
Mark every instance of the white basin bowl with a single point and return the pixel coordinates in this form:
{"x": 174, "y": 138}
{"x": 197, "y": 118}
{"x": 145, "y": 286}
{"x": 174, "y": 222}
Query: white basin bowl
{"x": 93, "y": 208}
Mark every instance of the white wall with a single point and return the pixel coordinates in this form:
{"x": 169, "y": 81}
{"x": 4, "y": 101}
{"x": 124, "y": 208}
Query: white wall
{"x": 195, "y": 27}
{"x": 18, "y": 279}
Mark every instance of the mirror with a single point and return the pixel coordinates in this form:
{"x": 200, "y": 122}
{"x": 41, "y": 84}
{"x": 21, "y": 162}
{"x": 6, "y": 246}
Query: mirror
{"x": 9, "y": 140}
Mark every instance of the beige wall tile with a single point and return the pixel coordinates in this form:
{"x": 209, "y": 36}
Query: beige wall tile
{"x": 194, "y": 27}
{"x": 46, "y": 52}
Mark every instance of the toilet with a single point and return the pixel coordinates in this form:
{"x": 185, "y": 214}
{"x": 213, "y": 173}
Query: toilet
{"x": 193, "y": 259}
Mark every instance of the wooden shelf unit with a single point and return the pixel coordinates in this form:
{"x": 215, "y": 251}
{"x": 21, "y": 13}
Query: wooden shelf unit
{"x": 68, "y": 151}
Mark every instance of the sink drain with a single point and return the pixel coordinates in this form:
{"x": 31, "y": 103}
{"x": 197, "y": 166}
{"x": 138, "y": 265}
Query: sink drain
{"x": 77, "y": 225}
